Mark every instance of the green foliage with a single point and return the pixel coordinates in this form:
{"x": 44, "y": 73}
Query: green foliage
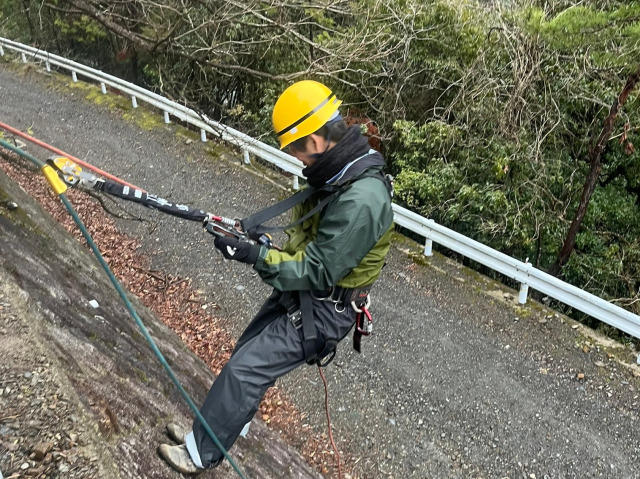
{"x": 420, "y": 143}
{"x": 83, "y": 28}
{"x": 609, "y": 36}
{"x": 608, "y": 248}
{"x": 507, "y": 163}
{"x": 487, "y": 114}
{"x": 13, "y": 23}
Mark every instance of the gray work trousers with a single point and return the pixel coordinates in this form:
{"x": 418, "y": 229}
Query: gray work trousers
{"x": 269, "y": 348}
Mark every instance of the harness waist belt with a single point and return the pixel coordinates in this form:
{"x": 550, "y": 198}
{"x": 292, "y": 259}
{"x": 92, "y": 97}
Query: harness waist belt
{"x": 343, "y": 296}
{"x": 299, "y": 307}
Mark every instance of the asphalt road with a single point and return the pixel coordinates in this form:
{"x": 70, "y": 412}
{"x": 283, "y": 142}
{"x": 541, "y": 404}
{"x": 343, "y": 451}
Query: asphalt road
{"x": 456, "y": 382}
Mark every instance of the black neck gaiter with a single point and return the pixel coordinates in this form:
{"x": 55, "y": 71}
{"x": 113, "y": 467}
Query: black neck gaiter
{"x": 328, "y": 164}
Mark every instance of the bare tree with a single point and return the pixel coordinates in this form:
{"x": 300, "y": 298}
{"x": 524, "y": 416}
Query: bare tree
{"x": 219, "y": 41}
{"x": 595, "y": 165}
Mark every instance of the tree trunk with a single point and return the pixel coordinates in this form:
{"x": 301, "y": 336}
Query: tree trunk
{"x": 27, "y": 13}
{"x": 595, "y": 165}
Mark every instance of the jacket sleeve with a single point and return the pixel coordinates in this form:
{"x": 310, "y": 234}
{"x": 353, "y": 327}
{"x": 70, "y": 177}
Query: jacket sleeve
{"x": 348, "y": 229}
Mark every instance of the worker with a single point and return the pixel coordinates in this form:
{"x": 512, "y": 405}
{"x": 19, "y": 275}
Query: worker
{"x": 321, "y": 277}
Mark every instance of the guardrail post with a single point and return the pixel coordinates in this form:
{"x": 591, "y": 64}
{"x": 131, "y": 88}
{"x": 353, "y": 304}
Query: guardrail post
{"x": 47, "y": 65}
{"x": 296, "y": 184}
{"x": 24, "y": 58}
{"x": 524, "y": 288}
{"x": 74, "y": 77}
{"x": 203, "y": 135}
{"x": 166, "y": 117}
{"x": 522, "y": 295}
{"x": 428, "y": 244}
{"x": 103, "y": 88}
{"x": 1, "y": 51}
{"x": 428, "y": 247}
{"x": 245, "y": 157}
{"x": 134, "y": 101}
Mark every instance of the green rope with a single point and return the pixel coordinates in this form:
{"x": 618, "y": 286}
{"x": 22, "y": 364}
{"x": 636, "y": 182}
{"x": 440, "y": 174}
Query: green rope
{"x": 131, "y": 309}
{"x": 15, "y": 149}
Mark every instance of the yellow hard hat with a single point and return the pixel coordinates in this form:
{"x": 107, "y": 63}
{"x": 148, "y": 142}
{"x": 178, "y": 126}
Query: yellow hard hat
{"x": 301, "y": 109}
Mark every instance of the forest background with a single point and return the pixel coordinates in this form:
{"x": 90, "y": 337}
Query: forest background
{"x": 511, "y": 122}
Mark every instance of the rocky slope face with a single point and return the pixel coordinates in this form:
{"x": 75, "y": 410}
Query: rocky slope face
{"x": 81, "y": 393}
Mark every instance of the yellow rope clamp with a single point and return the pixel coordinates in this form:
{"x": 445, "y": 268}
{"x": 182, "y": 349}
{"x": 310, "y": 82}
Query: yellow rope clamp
{"x": 57, "y": 185}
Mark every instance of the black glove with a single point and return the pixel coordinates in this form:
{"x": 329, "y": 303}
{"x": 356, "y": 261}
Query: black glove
{"x": 232, "y": 248}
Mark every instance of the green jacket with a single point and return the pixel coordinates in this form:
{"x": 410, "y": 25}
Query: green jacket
{"x": 344, "y": 245}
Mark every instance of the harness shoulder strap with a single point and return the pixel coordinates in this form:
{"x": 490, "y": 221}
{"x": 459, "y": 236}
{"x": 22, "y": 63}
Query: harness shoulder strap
{"x": 262, "y": 216}
{"x": 254, "y": 224}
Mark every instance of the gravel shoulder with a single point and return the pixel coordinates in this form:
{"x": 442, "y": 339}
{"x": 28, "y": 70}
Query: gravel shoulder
{"x": 457, "y": 381}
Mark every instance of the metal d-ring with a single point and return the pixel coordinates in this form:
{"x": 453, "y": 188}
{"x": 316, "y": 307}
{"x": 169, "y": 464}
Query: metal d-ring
{"x": 325, "y": 298}
{"x": 366, "y": 305}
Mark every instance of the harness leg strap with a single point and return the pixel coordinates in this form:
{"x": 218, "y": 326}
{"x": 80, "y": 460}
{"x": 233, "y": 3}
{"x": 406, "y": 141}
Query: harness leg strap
{"x": 308, "y": 327}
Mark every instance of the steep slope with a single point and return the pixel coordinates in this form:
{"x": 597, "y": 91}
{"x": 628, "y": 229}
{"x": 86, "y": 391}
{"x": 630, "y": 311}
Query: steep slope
{"x": 82, "y": 394}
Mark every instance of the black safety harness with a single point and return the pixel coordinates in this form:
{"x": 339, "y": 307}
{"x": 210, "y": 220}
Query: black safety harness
{"x": 299, "y": 304}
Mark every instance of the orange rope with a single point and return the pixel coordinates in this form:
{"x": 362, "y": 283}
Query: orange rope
{"x": 326, "y": 407}
{"x": 67, "y": 155}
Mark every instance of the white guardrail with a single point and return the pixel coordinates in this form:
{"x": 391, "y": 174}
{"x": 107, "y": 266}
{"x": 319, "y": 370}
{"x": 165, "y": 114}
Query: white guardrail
{"x": 524, "y": 273}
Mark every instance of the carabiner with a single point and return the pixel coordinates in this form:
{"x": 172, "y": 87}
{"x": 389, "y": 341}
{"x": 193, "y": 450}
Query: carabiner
{"x": 364, "y": 308}
{"x": 362, "y": 327}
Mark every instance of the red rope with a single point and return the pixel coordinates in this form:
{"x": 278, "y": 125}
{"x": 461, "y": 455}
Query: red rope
{"x": 67, "y": 155}
{"x": 326, "y": 407}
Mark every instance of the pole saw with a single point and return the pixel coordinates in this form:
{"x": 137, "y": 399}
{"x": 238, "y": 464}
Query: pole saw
{"x": 74, "y": 175}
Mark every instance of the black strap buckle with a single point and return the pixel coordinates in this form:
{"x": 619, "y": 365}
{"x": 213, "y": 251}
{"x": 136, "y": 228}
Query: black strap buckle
{"x": 295, "y": 318}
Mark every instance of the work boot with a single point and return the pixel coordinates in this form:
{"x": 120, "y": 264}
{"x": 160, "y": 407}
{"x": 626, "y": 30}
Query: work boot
{"x": 176, "y": 433}
{"x": 178, "y": 458}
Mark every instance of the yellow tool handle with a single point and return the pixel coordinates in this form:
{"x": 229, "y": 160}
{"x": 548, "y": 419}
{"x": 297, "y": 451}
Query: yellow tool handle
{"x": 57, "y": 185}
